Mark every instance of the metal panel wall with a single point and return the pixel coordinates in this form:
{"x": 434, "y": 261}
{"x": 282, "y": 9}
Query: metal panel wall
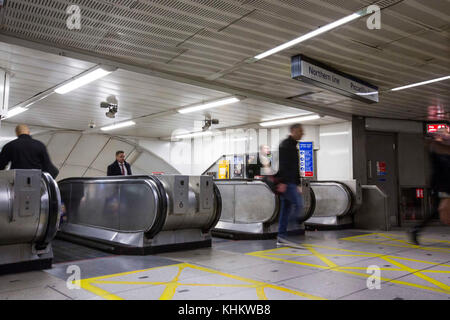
{"x": 411, "y": 159}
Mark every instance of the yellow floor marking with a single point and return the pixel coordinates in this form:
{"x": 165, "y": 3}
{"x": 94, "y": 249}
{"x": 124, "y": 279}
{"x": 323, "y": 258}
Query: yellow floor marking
{"x": 172, "y": 285}
{"x": 365, "y": 268}
{"x": 398, "y": 240}
{"x": 261, "y": 294}
{"x": 332, "y": 266}
{"x": 410, "y": 284}
{"x": 322, "y": 257}
{"x": 404, "y": 243}
{"x": 85, "y": 284}
{"x": 326, "y": 255}
{"x": 418, "y": 274}
{"x": 436, "y": 271}
{"x": 290, "y": 261}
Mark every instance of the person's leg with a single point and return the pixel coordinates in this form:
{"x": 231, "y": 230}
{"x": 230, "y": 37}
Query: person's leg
{"x": 285, "y": 207}
{"x": 414, "y": 232}
{"x": 297, "y": 205}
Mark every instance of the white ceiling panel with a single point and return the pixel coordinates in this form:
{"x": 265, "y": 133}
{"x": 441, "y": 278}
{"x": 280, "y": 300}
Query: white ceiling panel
{"x": 79, "y": 156}
{"x": 61, "y": 145}
{"x": 108, "y": 154}
{"x": 69, "y": 171}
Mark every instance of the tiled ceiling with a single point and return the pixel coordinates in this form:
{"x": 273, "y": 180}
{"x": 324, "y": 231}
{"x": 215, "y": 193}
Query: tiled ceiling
{"x": 210, "y": 39}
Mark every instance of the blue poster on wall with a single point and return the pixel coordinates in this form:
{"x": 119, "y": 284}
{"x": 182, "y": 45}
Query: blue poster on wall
{"x": 306, "y": 159}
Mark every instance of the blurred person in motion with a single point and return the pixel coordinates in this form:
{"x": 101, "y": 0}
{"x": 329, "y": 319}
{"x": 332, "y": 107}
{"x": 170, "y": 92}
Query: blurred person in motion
{"x": 265, "y": 160}
{"x": 289, "y": 186}
{"x": 260, "y": 164}
{"x": 26, "y": 153}
{"x": 439, "y": 147}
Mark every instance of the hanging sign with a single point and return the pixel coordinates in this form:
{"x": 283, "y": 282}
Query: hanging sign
{"x": 316, "y": 73}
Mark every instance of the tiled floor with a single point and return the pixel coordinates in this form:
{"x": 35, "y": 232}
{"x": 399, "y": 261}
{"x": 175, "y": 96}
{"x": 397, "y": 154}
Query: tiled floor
{"x": 332, "y": 265}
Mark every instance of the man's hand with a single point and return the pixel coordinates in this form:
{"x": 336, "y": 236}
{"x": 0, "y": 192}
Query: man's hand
{"x": 281, "y": 188}
{"x": 299, "y": 189}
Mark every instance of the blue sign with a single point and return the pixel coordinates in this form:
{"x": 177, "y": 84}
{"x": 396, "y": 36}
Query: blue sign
{"x": 306, "y": 159}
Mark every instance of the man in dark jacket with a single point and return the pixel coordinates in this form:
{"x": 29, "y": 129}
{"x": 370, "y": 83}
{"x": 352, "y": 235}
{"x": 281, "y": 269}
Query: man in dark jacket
{"x": 290, "y": 183}
{"x": 26, "y": 153}
{"x": 119, "y": 167}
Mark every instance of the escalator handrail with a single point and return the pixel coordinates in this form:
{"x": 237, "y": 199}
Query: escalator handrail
{"x": 54, "y": 209}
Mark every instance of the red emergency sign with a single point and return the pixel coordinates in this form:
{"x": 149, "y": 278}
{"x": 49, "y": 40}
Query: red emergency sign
{"x": 419, "y": 193}
{"x": 435, "y": 127}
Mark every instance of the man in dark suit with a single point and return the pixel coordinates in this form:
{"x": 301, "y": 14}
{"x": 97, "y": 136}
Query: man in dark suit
{"x": 119, "y": 167}
{"x": 26, "y": 153}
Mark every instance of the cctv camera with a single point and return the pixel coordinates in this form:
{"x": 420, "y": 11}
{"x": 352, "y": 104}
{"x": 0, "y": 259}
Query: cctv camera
{"x": 110, "y": 114}
{"x": 92, "y": 124}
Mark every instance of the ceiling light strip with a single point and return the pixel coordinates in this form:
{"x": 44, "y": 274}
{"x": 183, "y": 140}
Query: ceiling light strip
{"x": 82, "y": 80}
{"x": 290, "y": 120}
{"x": 118, "y": 125}
{"x": 209, "y": 105}
{"x": 311, "y": 34}
{"x": 420, "y": 83}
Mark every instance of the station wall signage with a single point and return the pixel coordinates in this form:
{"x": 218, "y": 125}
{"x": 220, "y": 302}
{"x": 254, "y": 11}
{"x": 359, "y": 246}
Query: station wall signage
{"x": 313, "y": 72}
{"x": 306, "y": 159}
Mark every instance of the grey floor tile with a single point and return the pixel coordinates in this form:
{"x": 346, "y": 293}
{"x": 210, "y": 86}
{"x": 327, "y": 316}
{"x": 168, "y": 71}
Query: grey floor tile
{"x": 330, "y": 285}
{"x": 394, "y": 292}
{"x": 248, "y": 246}
{"x": 274, "y": 272}
{"x": 414, "y": 279}
{"x": 110, "y": 265}
{"x": 26, "y": 280}
{"x": 38, "y": 293}
{"x": 75, "y": 294}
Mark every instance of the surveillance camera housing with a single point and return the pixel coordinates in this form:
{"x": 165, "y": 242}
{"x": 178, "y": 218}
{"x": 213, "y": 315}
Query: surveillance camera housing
{"x": 92, "y": 124}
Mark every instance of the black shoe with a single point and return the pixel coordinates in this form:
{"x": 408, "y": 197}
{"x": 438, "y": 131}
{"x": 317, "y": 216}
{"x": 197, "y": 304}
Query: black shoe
{"x": 412, "y": 235}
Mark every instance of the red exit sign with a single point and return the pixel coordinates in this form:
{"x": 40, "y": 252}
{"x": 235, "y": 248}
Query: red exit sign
{"x": 435, "y": 127}
{"x": 419, "y": 193}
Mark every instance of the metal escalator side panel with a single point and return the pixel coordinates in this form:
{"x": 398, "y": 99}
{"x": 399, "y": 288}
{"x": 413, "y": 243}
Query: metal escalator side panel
{"x": 312, "y": 206}
{"x": 333, "y": 198}
{"x": 117, "y": 205}
{"x": 161, "y": 216}
{"x": 54, "y": 210}
{"x": 217, "y": 209}
{"x": 247, "y": 202}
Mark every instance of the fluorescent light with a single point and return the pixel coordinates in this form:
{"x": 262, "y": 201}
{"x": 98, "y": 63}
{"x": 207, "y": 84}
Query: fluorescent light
{"x": 7, "y": 138}
{"x": 193, "y": 135}
{"x": 290, "y": 120}
{"x": 327, "y": 134}
{"x": 367, "y": 93}
{"x": 14, "y": 112}
{"x": 82, "y": 80}
{"x": 420, "y": 83}
{"x": 118, "y": 125}
{"x": 311, "y": 34}
{"x": 209, "y": 105}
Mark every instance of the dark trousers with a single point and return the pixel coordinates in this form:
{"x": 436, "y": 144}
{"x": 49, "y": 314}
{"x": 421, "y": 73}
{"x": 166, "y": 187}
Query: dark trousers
{"x": 290, "y": 208}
